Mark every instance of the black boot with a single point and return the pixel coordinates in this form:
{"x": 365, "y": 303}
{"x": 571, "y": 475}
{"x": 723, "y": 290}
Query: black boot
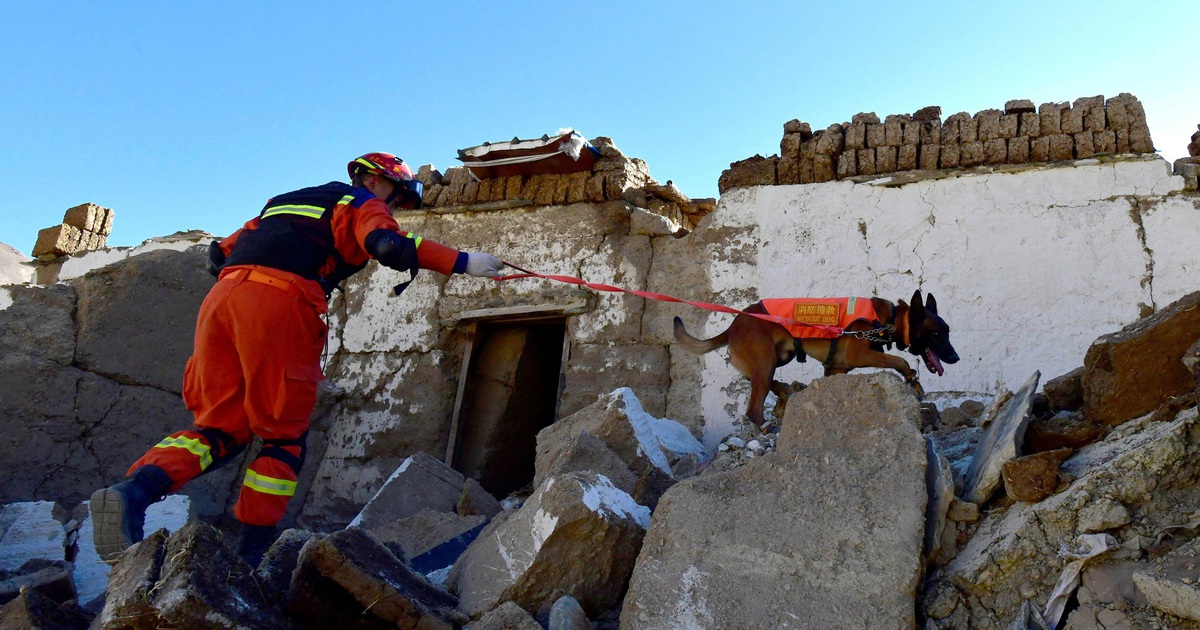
{"x": 256, "y": 539}
{"x": 119, "y": 512}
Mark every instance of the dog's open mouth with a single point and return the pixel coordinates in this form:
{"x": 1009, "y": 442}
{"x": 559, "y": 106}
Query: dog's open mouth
{"x": 933, "y": 363}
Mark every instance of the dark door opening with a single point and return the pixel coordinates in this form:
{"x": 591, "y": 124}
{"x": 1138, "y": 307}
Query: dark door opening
{"x": 510, "y": 392}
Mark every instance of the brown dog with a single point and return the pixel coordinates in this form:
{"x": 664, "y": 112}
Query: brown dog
{"x": 758, "y": 346}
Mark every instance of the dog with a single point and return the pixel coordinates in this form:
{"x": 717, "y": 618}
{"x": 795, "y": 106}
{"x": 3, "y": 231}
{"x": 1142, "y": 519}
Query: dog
{"x": 758, "y": 346}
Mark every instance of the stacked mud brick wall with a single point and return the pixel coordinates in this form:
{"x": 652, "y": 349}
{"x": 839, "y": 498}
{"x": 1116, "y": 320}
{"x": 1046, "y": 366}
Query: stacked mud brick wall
{"x": 614, "y": 177}
{"x": 1018, "y": 134}
{"x": 1189, "y": 167}
{"x": 84, "y": 228}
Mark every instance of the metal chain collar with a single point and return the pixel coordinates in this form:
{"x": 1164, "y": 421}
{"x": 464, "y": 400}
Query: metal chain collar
{"x": 883, "y": 334}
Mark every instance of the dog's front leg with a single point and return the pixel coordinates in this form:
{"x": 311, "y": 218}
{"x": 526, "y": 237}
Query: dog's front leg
{"x": 874, "y": 358}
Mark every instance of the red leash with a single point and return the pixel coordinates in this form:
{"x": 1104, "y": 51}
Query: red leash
{"x": 525, "y": 273}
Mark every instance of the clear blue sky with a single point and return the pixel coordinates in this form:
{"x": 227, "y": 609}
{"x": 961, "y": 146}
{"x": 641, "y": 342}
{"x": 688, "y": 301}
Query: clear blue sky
{"x": 190, "y": 115}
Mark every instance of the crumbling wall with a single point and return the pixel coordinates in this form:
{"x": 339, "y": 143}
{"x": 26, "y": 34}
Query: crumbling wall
{"x": 1018, "y": 134}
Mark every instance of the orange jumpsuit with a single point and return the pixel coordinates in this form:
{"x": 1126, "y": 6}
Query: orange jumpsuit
{"x": 259, "y": 336}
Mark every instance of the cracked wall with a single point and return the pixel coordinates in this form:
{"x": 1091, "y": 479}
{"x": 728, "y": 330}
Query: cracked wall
{"x": 1029, "y": 264}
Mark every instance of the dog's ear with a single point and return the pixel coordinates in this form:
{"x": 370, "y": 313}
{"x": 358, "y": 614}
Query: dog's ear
{"x": 931, "y": 304}
{"x": 916, "y": 311}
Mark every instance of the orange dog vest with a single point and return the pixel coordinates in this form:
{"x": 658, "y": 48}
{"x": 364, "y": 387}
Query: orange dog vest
{"x": 812, "y": 314}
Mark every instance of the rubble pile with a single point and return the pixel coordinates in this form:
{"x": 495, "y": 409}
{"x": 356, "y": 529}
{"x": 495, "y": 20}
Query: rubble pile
{"x": 614, "y": 177}
{"x": 84, "y": 228}
{"x": 1017, "y": 134}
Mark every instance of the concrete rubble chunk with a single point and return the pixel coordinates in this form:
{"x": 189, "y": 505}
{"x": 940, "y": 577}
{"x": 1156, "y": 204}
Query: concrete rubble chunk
{"x": 132, "y": 583}
{"x": 939, "y": 480}
{"x": 420, "y": 482}
{"x": 754, "y": 171}
{"x": 1066, "y": 429}
{"x": 1031, "y": 478}
{"x": 31, "y": 610}
{"x": 1014, "y": 554}
{"x": 58, "y": 240}
{"x": 275, "y": 570}
{"x": 567, "y": 614}
{"x": 576, "y": 535}
{"x": 425, "y": 530}
{"x": 506, "y": 616}
{"x": 825, "y": 533}
{"x": 1115, "y": 389}
{"x": 1019, "y": 106}
{"x": 90, "y": 217}
{"x": 476, "y": 500}
{"x": 351, "y": 562}
{"x": 648, "y": 447}
{"x": 51, "y": 578}
{"x": 1000, "y": 443}
{"x": 1170, "y": 583}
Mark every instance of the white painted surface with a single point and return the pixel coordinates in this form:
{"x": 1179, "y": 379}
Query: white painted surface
{"x": 1028, "y": 267}
{"x": 29, "y": 530}
{"x": 605, "y": 498}
{"x": 76, "y": 266}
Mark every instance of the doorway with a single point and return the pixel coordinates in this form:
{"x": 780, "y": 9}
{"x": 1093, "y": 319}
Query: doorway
{"x": 509, "y": 390}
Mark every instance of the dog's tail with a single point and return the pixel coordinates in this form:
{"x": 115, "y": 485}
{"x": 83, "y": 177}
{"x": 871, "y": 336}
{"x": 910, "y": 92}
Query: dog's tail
{"x": 698, "y": 346}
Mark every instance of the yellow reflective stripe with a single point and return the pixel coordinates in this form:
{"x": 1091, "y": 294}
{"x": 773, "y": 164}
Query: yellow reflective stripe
{"x": 193, "y": 446}
{"x": 269, "y": 485}
{"x": 345, "y": 201}
{"x": 416, "y": 240}
{"x": 853, "y": 304}
{"x": 308, "y": 211}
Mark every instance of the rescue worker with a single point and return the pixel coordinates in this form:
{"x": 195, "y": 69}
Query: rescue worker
{"x": 259, "y": 336}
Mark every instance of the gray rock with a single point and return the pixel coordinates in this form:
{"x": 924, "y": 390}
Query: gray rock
{"x": 567, "y": 614}
{"x": 825, "y": 532}
{"x": 506, "y": 616}
{"x": 421, "y": 482}
{"x": 1170, "y": 583}
{"x": 1001, "y": 442}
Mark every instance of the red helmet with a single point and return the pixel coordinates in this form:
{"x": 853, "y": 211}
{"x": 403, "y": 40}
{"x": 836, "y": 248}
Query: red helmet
{"x": 408, "y": 189}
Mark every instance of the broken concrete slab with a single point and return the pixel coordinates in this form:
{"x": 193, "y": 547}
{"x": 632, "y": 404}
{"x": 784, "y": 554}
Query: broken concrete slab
{"x": 374, "y": 579}
{"x": 1013, "y": 556}
{"x": 1131, "y": 372}
{"x": 567, "y": 614}
{"x": 1000, "y": 443}
{"x": 648, "y": 446}
{"x": 825, "y": 532}
{"x": 32, "y": 610}
{"x": 50, "y": 578}
{"x": 1170, "y": 583}
{"x": 506, "y": 616}
{"x": 29, "y": 531}
{"x": 577, "y": 534}
{"x": 278, "y": 563}
{"x": 584, "y": 452}
{"x": 428, "y": 540}
{"x": 131, "y": 585}
{"x": 476, "y": 500}
{"x": 939, "y": 481}
{"x": 420, "y": 482}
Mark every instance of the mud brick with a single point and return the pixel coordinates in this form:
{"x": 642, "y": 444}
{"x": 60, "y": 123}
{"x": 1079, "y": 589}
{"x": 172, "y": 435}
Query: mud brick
{"x": 1085, "y": 102}
{"x": 593, "y": 187}
{"x": 885, "y": 160}
{"x": 1083, "y": 145}
{"x": 968, "y": 130}
{"x": 912, "y": 132}
{"x": 87, "y": 216}
{"x": 1123, "y": 141}
{"x": 907, "y": 159}
{"x": 529, "y": 188}
{"x": 430, "y": 196}
{"x": 1094, "y": 119}
{"x": 950, "y": 130}
{"x": 1139, "y": 138}
{"x": 547, "y": 190}
{"x": 926, "y": 114}
{"x": 1009, "y": 125}
{"x": 1072, "y": 120}
{"x": 823, "y": 170}
{"x": 59, "y": 240}
{"x": 1039, "y": 150}
{"x": 1050, "y": 117}
{"x": 927, "y": 156}
{"x": 1062, "y": 147}
{"x": 1019, "y": 106}
{"x": 512, "y": 187}
{"x": 562, "y": 190}
{"x": 930, "y": 131}
{"x": 995, "y": 151}
{"x": 1018, "y": 150}
{"x": 893, "y": 131}
{"x": 798, "y": 127}
{"x": 789, "y": 147}
{"x": 576, "y": 184}
{"x": 1105, "y": 142}
{"x": 876, "y": 135}
{"x": 866, "y": 162}
{"x": 856, "y": 136}
{"x": 789, "y": 170}
{"x": 831, "y": 142}
{"x": 847, "y": 163}
{"x": 948, "y": 156}
{"x": 484, "y": 191}
{"x": 470, "y": 193}
{"x": 1029, "y": 125}
{"x": 806, "y": 169}
{"x": 989, "y": 124}
{"x": 970, "y": 154}
{"x": 866, "y": 118}
{"x": 1115, "y": 115}
{"x": 754, "y": 171}
{"x": 445, "y": 197}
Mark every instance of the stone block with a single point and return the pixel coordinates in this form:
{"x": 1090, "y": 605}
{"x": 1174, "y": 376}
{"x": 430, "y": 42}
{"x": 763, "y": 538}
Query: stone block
{"x": 1050, "y": 117}
{"x": 1039, "y": 149}
{"x": 876, "y": 135}
{"x": 885, "y": 160}
{"x": 506, "y": 616}
{"x": 893, "y": 131}
{"x": 1029, "y": 125}
{"x": 1072, "y": 120}
{"x": 1123, "y": 141}
{"x": 132, "y": 582}
{"x": 847, "y": 163}
{"x": 1000, "y": 443}
{"x": 906, "y": 159}
{"x": 1009, "y": 125}
{"x": 60, "y": 240}
{"x": 51, "y": 578}
{"x": 34, "y": 611}
{"x": 1062, "y": 147}
{"x": 911, "y": 133}
{"x": 927, "y": 157}
{"x": 1085, "y": 102}
{"x": 856, "y": 136}
{"x": 89, "y": 217}
{"x": 484, "y": 192}
{"x": 950, "y": 131}
{"x": 823, "y": 168}
{"x": 754, "y": 171}
{"x": 970, "y": 154}
{"x": 866, "y": 161}
{"x": 420, "y": 482}
{"x": 475, "y": 500}
{"x": 593, "y": 187}
{"x": 1114, "y": 387}
{"x": 988, "y": 121}
{"x": 1105, "y": 142}
{"x": 789, "y": 147}
{"x": 1018, "y": 150}
{"x": 1139, "y": 138}
{"x": 1094, "y": 119}
{"x": 831, "y": 142}
{"x": 806, "y": 171}
{"x": 1083, "y": 145}
{"x": 513, "y": 184}
{"x": 798, "y": 127}
{"x": 789, "y": 171}
{"x": 948, "y": 156}
{"x": 428, "y": 175}
{"x": 995, "y": 151}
